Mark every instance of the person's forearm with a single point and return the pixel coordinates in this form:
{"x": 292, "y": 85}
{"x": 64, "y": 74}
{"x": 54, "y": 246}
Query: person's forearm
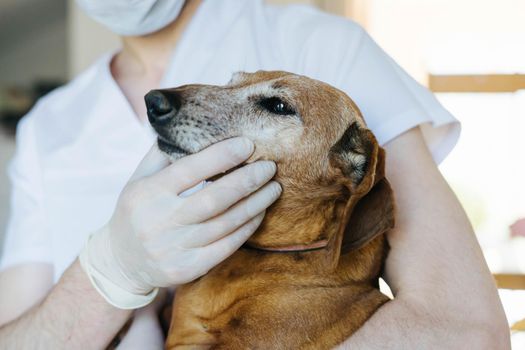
{"x": 445, "y": 295}
{"x": 403, "y": 324}
{"x": 72, "y": 316}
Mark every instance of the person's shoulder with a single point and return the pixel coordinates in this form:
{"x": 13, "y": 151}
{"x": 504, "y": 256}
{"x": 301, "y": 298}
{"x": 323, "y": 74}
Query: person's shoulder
{"x": 70, "y": 102}
{"x": 312, "y": 42}
{"x": 60, "y": 114}
{"x": 305, "y": 21}
{"x": 67, "y": 97}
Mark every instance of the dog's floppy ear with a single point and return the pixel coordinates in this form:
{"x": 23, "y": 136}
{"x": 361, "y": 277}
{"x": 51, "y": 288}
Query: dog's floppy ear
{"x": 373, "y": 214}
{"x": 355, "y": 155}
{"x": 370, "y": 208}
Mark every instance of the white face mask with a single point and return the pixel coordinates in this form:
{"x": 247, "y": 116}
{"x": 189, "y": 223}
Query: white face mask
{"x": 132, "y": 17}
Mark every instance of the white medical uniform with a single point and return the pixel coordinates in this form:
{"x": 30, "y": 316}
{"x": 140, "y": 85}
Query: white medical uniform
{"x": 80, "y": 144}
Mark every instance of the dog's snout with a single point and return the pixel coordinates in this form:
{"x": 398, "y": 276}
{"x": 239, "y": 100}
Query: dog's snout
{"x": 162, "y": 106}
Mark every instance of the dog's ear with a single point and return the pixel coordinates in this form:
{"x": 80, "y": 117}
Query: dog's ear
{"x": 370, "y": 208}
{"x": 355, "y": 155}
{"x": 373, "y": 215}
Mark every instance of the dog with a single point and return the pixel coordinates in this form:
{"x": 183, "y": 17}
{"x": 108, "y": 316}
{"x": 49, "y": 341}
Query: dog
{"x": 308, "y": 277}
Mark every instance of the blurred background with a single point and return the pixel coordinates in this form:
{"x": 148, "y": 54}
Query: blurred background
{"x": 471, "y": 53}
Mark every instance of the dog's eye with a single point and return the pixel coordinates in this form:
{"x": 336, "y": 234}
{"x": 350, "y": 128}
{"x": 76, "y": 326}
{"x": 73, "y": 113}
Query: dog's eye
{"x": 276, "y": 105}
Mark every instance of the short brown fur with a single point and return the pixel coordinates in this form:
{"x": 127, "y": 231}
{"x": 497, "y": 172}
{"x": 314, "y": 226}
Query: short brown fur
{"x": 333, "y": 188}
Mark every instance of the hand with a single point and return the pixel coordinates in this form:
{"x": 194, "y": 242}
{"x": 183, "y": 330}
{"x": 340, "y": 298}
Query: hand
{"x": 156, "y": 238}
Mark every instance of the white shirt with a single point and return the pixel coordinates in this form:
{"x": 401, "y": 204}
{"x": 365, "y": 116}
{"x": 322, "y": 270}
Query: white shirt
{"x": 79, "y": 145}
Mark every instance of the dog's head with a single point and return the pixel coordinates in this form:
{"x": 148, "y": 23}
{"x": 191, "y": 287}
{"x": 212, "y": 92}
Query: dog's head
{"x": 325, "y": 155}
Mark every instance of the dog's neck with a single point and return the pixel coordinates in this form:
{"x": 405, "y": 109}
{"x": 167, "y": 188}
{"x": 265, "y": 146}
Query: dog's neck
{"x": 304, "y": 218}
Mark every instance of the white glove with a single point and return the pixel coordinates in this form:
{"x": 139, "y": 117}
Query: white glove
{"x": 156, "y": 238}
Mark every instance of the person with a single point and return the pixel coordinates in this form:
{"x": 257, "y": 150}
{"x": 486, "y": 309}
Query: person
{"x": 151, "y": 225}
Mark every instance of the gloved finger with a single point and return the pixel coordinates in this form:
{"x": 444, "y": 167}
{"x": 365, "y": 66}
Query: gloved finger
{"x": 229, "y": 221}
{"x": 185, "y": 265}
{"x": 223, "y": 193}
{"x": 215, "y": 159}
{"x": 153, "y": 161}
{"x": 224, "y": 247}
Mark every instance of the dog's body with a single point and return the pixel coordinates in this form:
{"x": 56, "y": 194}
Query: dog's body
{"x": 308, "y": 278}
{"x": 257, "y": 300}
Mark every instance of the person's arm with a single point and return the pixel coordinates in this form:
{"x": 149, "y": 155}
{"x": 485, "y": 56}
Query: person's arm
{"x": 155, "y": 238}
{"x": 72, "y": 316}
{"x": 23, "y": 286}
{"x": 445, "y": 297}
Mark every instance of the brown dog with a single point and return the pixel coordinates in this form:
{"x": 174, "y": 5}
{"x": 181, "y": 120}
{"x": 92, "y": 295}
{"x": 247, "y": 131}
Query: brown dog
{"x": 308, "y": 278}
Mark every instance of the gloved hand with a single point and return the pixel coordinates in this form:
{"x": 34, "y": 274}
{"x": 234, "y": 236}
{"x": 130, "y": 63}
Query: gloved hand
{"x": 156, "y": 238}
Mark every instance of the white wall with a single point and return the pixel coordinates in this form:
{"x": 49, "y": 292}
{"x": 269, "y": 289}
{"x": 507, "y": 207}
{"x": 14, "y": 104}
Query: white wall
{"x": 440, "y": 35}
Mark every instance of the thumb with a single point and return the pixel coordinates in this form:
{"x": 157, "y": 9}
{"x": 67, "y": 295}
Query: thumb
{"x": 153, "y": 161}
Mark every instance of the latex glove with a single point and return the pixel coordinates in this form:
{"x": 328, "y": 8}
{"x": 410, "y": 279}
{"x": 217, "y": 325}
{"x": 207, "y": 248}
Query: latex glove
{"x": 156, "y": 238}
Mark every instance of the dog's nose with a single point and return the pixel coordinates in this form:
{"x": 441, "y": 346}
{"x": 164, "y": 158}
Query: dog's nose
{"x": 161, "y": 106}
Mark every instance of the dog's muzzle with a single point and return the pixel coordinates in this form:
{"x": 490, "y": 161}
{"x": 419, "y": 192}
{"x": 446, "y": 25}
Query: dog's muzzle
{"x": 162, "y": 109}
